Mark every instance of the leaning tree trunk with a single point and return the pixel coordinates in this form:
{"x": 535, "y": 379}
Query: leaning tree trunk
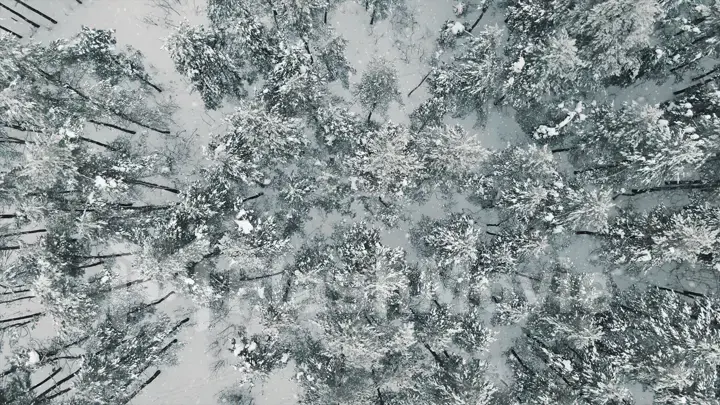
{"x": 36, "y": 11}
{"x": 371, "y": 112}
{"x": 11, "y": 32}
{"x": 27, "y": 20}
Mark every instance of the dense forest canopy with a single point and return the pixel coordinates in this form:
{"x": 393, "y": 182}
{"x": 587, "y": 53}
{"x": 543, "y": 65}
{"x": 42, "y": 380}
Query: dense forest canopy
{"x": 385, "y": 263}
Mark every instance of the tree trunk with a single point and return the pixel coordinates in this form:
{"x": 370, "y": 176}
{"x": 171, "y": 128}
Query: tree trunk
{"x": 57, "y": 384}
{"x": 153, "y": 186}
{"x": 20, "y": 318}
{"x": 10, "y": 31}
{"x": 262, "y": 277}
{"x": 18, "y": 127}
{"x": 380, "y": 397}
{"x": 686, "y": 293}
{"x": 127, "y": 131}
{"x": 515, "y": 355}
{"x": 27, "y": 20}
{"x": 23, "y": 233}
{"x": 84, "y": 96}
{"x": 98, "y": 143}
{"x": 149, "y": 83}
{"x": 696, "y": 186}
{"x": 87, "y": 266}
{"x": 153, "y": 303}
{"x": 29, "y": 297}
{"x": 484, "y": 9}
{"x": 179, "y": 324}
{"x": 307, "y": 49}
{"x": 499, "y": 100}
{"x": 420, "y": 84}
{"x": 371, "y": 112}
{"x": 325, "y": 16}
{"x": 436, "y": 356}
{"x": 9, "y": 248}
{"x": 708, "y": 73}
{"x": 592, "y": 169}
{"x": 587, "y": 233}
{"x": 110, "y": 256}
{"x": 702, "y": 83}
{"x": 258, "y": 195}
{"x": 15, "y": 291}
{"x": 561, "y": 150}
{"x": 372, "y": 16}
{"x": 682, "y": 65}
{"x": 145, "y": 384}
{"x": 57, "y": 394}
{"x": 36, "y": 11}
{"x": 48, "y": 378}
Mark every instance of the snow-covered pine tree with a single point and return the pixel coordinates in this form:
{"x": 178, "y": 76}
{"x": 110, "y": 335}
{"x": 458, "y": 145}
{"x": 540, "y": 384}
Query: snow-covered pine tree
{"x": 200, "y": 54}
{"x": 378, "y": 87}
{"x": 470, "y": 81}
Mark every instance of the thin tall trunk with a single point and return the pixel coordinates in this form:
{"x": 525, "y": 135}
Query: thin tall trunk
{"x": 687, "y": 293}
{"x": 48, "y": 378}
{"x": 11, "y": 32}
{"x": 36, "y": 11}
{"x": 57, "y": 394}
{"x": 372, "y": 16}
{"x": 499, "y": 100}
{"x": 27, "y": 20}
{"x": 20, "y": 318}
{"x": 87, "y": 266}
{"x": 558, "y": 150}
{"x": 179, "y": 324}
{"x": 149, "y": 83}
{"x": 57, "y": 384}
{"x": 29, "y": 297}
{"x": 587, "y": 233}
{"x": 380, "y": 397}
{"x": 18, "y": 127}
{"x": 325, "y": 16}
{"x": 307, "y": 49}
{"x": 153, "y": 303}
{"x": 110, "y": 256}
{"x": 258, "y": 195}
{"x": 519, "y": 360}
{"x": 16, "y": 291}
{"x": 372, "y": 109}
{"x": 23, "y": 233}
{"x": 682, "y": 65}
{"x": 696, "y": 186}
{"x": 702, "y": 83}
{"x": 484, "y": 9}
{"x": 16, "y": 325}
{"x": 113, "y": 126}
{"x": 420, "y": 84}
{"x": 9, "y": 248}
{"x": 436, "y": 356}
{"x": 153, "y": 185}
{"x": 262, "y": 277}
{"x": 706, "y": 74}
{"x": 592, "y": 169}
{"x": 84, "y": 96}
{"x": 145, "y": 384}
{"x": 167, "y": 346}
